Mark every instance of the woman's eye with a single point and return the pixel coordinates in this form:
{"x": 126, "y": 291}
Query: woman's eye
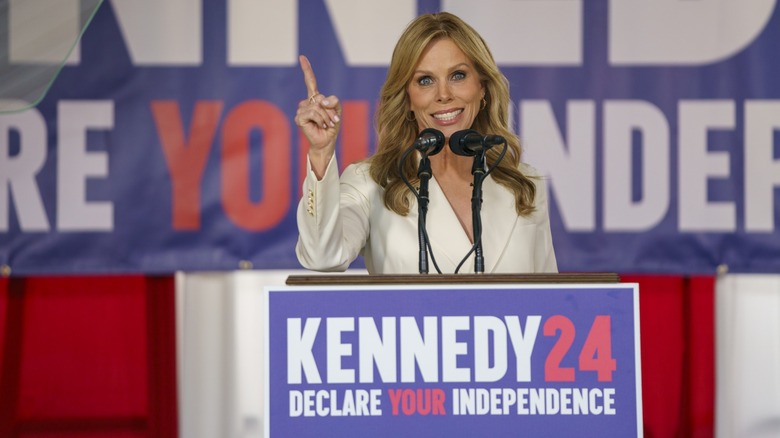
{"x": 425, "y": 80}
{"x": 458, "y": 76}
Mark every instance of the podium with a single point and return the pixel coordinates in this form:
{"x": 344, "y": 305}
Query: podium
{"x": 453, "y": 355}
{"x": 344, "y": 280}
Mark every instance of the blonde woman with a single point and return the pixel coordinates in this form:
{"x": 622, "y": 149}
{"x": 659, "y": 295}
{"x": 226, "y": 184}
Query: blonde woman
{"x": 442, "y": 75}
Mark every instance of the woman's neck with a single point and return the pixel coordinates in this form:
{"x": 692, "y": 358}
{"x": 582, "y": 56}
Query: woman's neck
{"x": 448, "y": 165}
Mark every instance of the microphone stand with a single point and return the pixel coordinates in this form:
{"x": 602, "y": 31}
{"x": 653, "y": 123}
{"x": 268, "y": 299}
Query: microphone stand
{"x": 478, "y": 170}
{"x": 424, "y": 173}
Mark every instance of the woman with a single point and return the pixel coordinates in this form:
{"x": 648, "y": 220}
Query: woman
{"x": 443, "y": 76}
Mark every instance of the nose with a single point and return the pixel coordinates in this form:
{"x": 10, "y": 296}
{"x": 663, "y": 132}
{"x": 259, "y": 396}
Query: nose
{"x": 444, "y": 92}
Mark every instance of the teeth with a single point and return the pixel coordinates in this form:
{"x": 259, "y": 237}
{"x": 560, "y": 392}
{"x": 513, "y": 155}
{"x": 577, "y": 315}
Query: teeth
{"x": 447, "y": 116}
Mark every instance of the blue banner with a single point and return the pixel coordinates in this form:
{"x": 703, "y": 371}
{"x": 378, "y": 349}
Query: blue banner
{"x": 167, "y": 141}
{"x": 444, "y": 361}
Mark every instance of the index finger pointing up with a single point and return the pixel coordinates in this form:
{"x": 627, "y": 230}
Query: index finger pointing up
{"x": 308, "y": 76}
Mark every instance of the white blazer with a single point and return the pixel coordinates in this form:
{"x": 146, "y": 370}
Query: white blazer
{"x": 338, "y": 220}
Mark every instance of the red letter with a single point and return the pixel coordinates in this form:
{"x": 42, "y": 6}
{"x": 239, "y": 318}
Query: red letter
{"x": 408, "y": 402}
{"x": 424, "y": 401}
{"x": 395, "y": 397}
{"x": 438, "y": 402}
{"x": 275, "y": 172}
{"x": 354, "y": 141}
{"x": 553, "y": 372}
{"x": 186, "y": 158}
{"x": 596, "y": 354}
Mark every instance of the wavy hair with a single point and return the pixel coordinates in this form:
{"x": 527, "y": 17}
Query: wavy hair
{"x": 395, "y": 132}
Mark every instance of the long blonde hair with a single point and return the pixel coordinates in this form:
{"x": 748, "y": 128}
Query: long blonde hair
{"x": 395, "y": 132}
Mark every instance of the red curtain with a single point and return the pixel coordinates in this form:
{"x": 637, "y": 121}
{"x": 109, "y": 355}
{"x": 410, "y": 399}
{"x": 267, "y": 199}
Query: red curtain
{"x": 677, "y": 329}
{"x": 88, "y": 356}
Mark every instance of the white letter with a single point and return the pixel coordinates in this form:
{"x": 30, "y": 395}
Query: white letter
{"x": 645, "y": 32}
{"x": 523, "y": 343}
{"x": 415, "y": 348}
{"x": 299, "y": 354}
{"x": 697, "y": 164}
{"x": 762, "y": 167}
{"x": 483, "y": 326}
{"x": 566, "y": 401}
{"x": 75, "y": 165}
{"x": 376, "y": 401}
{"x": 367, "y": 31}
{"x": 337, "y": 350}
{"x": 18, "y": 172}
{"x": 621, "y": 120}
{"x": 162, "y": 33}
{"x": 316, "y": 403}
{"x": 508, "y": 399}
{"x": 595, "y": 408}
{"x": 296, "y": 403}
{"x": 262, "y": 32}
{"x": 522, "y": 401}
{"x": 553, "y": 401}
{"x": 483, "y": 401}
{"x": 373, "y": 348}
{"x": 609, "y": 401}
{"x": 451, "y": 349}
{"x": 526, "y": 33}
{"x": 572, "y": 169}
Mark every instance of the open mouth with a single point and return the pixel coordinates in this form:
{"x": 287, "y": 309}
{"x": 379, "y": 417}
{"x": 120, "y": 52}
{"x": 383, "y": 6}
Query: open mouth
{"x": 450, "y": 115}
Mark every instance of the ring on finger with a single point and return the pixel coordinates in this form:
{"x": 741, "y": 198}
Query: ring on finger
{"x": 311, "y": 99}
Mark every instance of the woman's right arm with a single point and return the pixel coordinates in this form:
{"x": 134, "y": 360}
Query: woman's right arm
{"x": 325, "y": 210}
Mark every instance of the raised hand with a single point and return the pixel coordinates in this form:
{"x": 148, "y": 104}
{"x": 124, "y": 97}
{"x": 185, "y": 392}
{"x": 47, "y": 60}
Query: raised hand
{"x": 319, "y": 118}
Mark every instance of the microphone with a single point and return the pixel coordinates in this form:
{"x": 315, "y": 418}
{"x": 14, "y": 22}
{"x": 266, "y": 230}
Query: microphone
{"x": 429, "y": 142}
{"x": 469, "y": 142}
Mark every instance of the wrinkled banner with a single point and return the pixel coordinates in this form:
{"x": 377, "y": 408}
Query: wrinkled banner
{"x": 167, "y": 141}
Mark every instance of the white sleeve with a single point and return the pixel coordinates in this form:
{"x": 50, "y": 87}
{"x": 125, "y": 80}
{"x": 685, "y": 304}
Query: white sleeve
{"x": 332, "y": 220}
{"x": 545, "y": 253}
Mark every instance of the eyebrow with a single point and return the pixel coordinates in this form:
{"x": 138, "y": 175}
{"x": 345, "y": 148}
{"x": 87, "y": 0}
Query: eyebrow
{"x": 455, "y": 67}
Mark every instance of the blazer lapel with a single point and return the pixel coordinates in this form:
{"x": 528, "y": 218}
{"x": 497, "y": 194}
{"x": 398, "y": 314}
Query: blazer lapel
{"x": 448, "y": 239}
{"x": 499, "y": 219}
{"x": 450, "y": 242}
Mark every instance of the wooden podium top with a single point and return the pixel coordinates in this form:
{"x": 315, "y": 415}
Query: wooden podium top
{"x": 349, "y": 279}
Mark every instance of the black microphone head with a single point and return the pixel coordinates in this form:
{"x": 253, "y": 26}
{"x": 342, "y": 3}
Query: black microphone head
{"x": 492, "y": 140}
{"x": 459, "y": 142}
{"x": 430, "y": 141}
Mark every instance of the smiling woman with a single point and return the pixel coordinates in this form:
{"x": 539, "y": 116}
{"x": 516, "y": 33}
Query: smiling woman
{"x": 442, "y": 76}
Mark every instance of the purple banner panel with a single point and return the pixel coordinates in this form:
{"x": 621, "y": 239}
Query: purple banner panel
{"x": 167, "y": 142}
{"x": 551, "y": 360}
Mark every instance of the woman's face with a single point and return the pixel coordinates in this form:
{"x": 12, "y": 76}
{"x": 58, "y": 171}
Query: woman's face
{"x": 445, "y": 91}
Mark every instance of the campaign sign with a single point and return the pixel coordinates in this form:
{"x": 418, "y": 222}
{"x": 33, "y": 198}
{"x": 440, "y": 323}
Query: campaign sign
{"x": 483, "y": 360}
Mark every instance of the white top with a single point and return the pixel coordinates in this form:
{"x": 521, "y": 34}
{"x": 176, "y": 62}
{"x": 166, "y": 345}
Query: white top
{"x": 338, "y": 220}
